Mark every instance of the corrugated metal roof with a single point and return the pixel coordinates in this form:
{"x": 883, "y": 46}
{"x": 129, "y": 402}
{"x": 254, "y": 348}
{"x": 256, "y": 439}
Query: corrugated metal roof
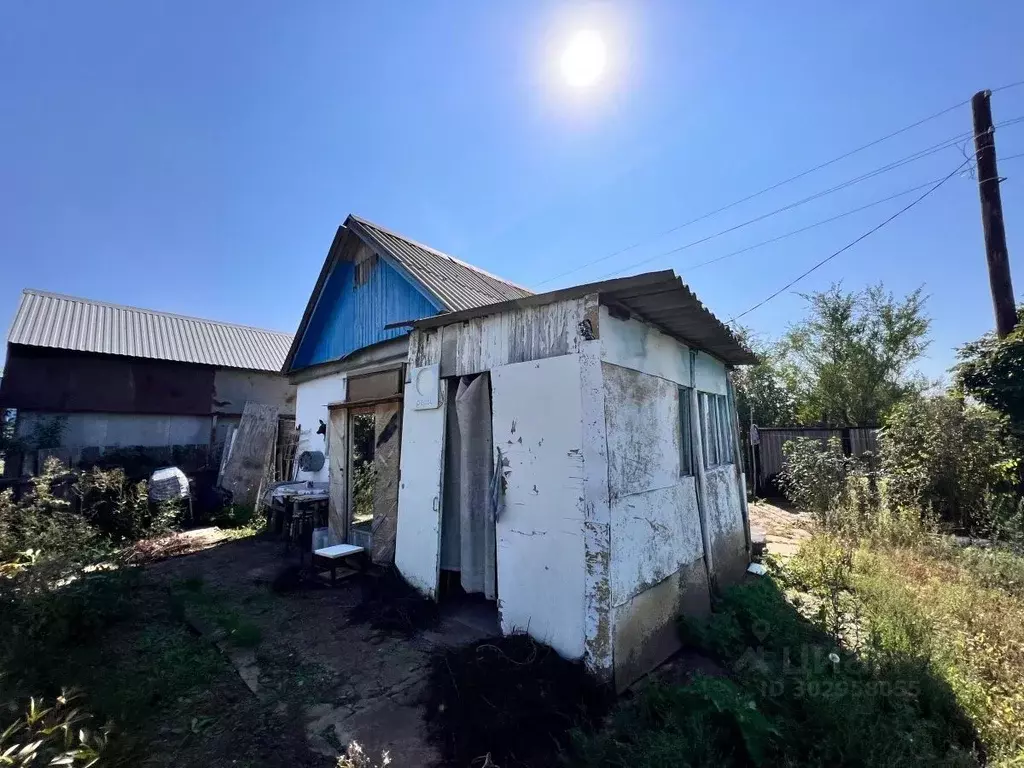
{"x": 67, "y": 322}
{"x": 658, "y": 298}
{"x": 455, "y": 283}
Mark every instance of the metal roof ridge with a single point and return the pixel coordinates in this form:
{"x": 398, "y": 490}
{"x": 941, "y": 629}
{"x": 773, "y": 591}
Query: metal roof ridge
{"x": 129, "y": 307}
{"x": 366, "y": 222}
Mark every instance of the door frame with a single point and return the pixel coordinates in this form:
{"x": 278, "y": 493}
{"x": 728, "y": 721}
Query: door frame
{"x": 354, "y": 410}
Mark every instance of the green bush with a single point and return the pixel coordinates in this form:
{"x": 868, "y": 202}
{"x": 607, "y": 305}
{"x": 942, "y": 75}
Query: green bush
{"x": 54, "y": 735}
{"x": 952, "y": 461}
{"x": 41, "y": 526}
{"x": 121, "y": 508}
{"x": 815, "y": 477}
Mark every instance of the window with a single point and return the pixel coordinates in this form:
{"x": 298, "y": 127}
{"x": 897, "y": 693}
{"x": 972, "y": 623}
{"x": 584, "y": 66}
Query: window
{"x": 685, "y": 435}
{"x": 715, "y": 429}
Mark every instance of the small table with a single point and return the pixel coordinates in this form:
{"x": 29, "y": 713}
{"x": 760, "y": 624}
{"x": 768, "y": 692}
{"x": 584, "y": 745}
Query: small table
{"x": 330, "y": 557}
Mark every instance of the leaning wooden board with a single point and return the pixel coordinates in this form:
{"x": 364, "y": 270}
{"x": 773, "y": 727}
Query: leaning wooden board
{"x": 252, "y": 451}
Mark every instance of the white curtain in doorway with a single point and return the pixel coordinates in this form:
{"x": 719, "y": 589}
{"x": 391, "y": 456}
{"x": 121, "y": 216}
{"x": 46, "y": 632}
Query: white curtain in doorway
{"x": 477, "y": 548}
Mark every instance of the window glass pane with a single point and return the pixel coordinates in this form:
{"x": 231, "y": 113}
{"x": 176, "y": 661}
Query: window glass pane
{"x": 723, "y": 419}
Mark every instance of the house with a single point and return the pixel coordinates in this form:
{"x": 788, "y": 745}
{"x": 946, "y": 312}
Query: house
{"x": 570, "y": 457}
{"x": 90, "y": 377}
{"x": 348, "y": 364}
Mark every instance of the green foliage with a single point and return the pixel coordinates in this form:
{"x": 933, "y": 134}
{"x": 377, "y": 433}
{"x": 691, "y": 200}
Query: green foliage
{"x": 794, "y": 696}
{"x": 847, "y": 363}
{"x": 854, "y": 352}
{"x": 823, "y": 570}
{"x": 711, "y": 721}
{"x": 765, "y": 390}
{"x": 952, "y": 461}
{"x": 121, "y": 508}
{"x": 815, "y": 477}
{"x": 42, "y": 528}
{"x": 43, "y": 619}
{"x": 54, "y": 735}
{"x": 991, "y": 370}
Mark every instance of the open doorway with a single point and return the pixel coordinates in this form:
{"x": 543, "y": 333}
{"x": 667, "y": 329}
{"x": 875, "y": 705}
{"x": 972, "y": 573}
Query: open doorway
{"x": 468, "y": 586}
{"x": 364, "y": 447}
{"x": 364, "y": 475}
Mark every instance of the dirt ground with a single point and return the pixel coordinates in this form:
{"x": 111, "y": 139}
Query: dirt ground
{"x": 299, "y": 656}
{"x": 783, "y": 529}
{"x": 304, "y": 680}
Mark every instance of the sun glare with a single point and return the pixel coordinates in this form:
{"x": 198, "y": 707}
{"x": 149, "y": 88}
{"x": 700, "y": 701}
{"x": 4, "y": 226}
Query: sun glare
{"x": 583, "y": 59}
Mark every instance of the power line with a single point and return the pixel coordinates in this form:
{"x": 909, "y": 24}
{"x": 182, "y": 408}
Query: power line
{"x": 850, "y": 245}
{"x": 822, "y": 222}
{"x": 771, "y": 187}
{"x": 829, "y": 220}
{"x": 776, "y": 185}
{"x": 1005, "y": 87}
{"x": 848, "y": 183}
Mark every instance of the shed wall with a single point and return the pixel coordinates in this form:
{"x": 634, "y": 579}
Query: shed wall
{"x": 233, "y": 388}
{"x": 62, "y": 381}
{"x": 725, "y": 516}
{"x": 657, "y": 568}
{"x": 537, "y": 422}
{"x": 639, "y": 347}
{"x": 311, "y": 401}
{"x": 484, "y": 343}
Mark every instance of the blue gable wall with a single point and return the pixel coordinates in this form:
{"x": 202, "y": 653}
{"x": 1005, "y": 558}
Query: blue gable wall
{"x": 348, "y": 318}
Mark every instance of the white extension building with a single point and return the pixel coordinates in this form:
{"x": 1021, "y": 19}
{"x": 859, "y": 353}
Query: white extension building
{"x": 570, "y": 456}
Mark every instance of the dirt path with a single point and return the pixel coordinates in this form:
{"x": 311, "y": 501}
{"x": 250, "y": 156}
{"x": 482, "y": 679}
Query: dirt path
{"x": 301, "y": 657}
{"x": 783, "y": 530}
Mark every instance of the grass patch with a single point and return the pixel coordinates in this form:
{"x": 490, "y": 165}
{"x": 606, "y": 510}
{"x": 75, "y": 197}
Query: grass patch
{"x": 213, "y": 608}
{"x": 961, "y": 613}
{"x": 794, "y": 696}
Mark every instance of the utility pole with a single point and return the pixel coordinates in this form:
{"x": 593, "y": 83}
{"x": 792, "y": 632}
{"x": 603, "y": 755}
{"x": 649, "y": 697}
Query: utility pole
{"x": 992, "y": 215}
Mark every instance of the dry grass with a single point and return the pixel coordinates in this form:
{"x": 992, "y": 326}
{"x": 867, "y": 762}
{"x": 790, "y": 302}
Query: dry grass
{"x": 971, "y": 631}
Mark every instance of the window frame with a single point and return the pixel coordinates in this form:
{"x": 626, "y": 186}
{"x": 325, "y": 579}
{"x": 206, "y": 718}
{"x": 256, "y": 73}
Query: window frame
{"x": 686, "y": 460}
{"x": 716, "y": 433}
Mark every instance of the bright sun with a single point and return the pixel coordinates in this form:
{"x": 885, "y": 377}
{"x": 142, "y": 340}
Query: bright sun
{"x": 583, "y": 59}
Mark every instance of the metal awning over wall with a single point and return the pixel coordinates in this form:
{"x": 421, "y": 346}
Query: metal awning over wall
{"x": 658, "y": 298}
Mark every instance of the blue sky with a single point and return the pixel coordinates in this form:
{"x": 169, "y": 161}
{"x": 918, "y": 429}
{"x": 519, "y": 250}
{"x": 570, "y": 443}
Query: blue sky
{"x": 197, "y": 157}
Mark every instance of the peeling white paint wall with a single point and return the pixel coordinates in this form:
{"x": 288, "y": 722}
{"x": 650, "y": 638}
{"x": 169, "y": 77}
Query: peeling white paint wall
{"x": 725, "y": 518}
{"x": 421, "y": 473}
{"x": 657, "y": 553}
{"x": 311, "y": 399}
{"x": 639, "y": 347}
{"x": 484, "y": 343}
{"x": 537, "y": 420}
{"x": 710, "y": 375}
{"x": 654, "y": 516}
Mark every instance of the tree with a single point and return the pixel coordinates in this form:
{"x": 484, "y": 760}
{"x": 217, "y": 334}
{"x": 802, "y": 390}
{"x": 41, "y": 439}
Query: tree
{"x": 853, "y": 355}
{"x": 991, "y": 370}
{"x": 764, "y": 392}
